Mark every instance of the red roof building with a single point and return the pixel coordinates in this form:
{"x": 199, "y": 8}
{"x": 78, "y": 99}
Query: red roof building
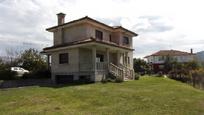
{"x": 157, "y": 59}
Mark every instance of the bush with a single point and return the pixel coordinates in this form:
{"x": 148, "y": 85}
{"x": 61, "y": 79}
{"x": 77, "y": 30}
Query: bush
{"x": 119, "y": 79}
{"x": 109, "y": 78}
{"x": 137, "y": 76}
{"x": 197, "y": 78}
{"x": 159, "y": 74}
{"x": 6, "y": 74}
{"x": 37, "y": 74}
{"x": 182, "y": 75}
{"x": 112, "y": 78}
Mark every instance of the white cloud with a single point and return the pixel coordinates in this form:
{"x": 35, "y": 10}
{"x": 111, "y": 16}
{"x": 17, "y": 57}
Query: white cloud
{"x": 161, "y": 24}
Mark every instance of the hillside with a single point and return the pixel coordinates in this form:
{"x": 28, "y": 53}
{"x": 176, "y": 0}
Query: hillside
{"x": 146, "y": 96}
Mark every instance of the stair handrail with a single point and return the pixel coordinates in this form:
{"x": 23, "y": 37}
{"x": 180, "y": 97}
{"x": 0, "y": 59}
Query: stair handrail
{"x": 126, "y": 69}
{"x": 119, "y": 72}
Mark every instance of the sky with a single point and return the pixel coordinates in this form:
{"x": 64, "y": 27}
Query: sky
{"x": 161, "y": 24}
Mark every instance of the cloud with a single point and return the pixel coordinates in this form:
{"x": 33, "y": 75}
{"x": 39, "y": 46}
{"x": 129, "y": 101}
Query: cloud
{"x": 147, "y": 24}
{"x": 111, "y": 22}
{"x": 168, "y": 24}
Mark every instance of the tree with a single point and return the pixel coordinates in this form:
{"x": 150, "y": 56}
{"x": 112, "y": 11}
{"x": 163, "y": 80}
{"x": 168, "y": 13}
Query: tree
{"x": 141, "y": 66}
{"x": 169, "y": 64}
{"x": 32, "y": 60}
{"x": 2, "y": 65}
{"x": 192, "y": 65}
{"x": 12, "y": 56}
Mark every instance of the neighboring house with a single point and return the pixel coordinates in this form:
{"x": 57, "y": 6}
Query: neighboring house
{"x": 158, "y": 59}
{"x": 86, "y": 49}
{"x": 200, "y": 57}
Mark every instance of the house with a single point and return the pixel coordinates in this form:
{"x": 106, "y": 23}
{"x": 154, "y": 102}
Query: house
{"x": 157, "y": 60}
{"x": 200, "y": 57}
{"x": 86, "y": 49}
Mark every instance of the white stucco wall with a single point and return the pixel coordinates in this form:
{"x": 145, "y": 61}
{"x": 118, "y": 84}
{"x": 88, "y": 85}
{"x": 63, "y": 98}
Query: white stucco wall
{"x": 72, "y": 66}
{"x": 183, "y": 58}
{"x": 200, "y": 57}
{"x": 83, "y": 31}
{"x": 75, "y": 33}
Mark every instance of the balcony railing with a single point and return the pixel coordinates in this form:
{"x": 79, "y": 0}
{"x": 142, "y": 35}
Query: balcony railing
{"x": 100, "y": 66}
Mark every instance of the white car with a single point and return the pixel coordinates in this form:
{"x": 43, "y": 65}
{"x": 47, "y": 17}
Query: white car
{"x": 20, "y": 71}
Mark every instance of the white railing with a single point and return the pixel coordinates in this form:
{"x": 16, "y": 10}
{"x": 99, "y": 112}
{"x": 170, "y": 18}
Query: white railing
{"x": 101, "y": 66}
{"x": 128, "y": 72}
{"x": 117, "y": 71}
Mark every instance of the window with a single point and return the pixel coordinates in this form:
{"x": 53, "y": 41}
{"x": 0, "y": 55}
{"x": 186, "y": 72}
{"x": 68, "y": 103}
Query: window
{"x": 161, "y": 58}
{"x": 110, "y": 38}
{"x": 63, "y": 58}
{"x": 128, "y": 59}
{"x": 99, "y": 34}
{"x": 125, "y": 40}
{"x": 99, "y": 58}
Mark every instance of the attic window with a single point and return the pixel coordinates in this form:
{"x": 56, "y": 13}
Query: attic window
{"x": 99, "y": 34}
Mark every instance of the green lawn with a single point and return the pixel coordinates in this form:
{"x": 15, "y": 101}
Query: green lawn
{"x": 147, "y": 96}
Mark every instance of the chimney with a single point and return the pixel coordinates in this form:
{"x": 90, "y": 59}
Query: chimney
{"x": 60, "y": 17}
{"x": 191, "y": 51}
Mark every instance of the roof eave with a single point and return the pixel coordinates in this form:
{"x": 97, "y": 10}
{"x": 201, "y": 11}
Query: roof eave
{"x": 51, "y": 29}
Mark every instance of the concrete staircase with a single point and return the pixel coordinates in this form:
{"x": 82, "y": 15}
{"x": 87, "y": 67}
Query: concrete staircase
{"x": 123, "y": 72}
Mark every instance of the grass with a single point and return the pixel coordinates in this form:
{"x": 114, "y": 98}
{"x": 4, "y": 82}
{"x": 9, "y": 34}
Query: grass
{"x": 147, "y": 96}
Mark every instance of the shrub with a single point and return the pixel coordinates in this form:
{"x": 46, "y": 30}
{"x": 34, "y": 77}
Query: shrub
{"x": 141, "y": 66}
{"x": 182, "y": 75}
{"x": 112, "y": 78}
{"x": 197, "y": 78}
{"x": 119, "y": 79}
{"x": 37, "y": 74}
{"x": 6, "y": 74}
{"x": 159, "y": 74}
{"x": 137, "y": 76}
{"x": 109, "y": 78}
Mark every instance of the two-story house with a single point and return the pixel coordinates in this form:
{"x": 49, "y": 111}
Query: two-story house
{"x": 158, "y": 59}
{"x": 200, "y": 57}
{"x": 86, "y": 49}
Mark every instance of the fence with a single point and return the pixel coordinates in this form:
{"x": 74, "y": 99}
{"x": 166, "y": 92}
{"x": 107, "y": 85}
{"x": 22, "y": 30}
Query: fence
{"x": 25, "y": 82}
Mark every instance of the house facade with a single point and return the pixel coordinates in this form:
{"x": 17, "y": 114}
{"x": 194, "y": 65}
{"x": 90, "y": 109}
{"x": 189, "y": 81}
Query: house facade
{"x": 157, "y": 60}
{"x": 200, "y": 57}
{"x": 86, "y": 49}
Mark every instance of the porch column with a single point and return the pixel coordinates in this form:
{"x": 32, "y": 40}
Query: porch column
{"x": 107, "y": 57}
{"x": 94, "y": 58}
{"x": 126, "y": 58}
{"x": 118, "y": 58}
{"x": 48, "y": 61}
{"x": 123, "y": 54}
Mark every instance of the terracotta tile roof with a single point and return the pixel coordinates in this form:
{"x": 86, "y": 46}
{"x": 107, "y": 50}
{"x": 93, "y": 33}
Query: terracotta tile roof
{"x": 93, "y": 20}
{"x": 87, "y": 40}
{"x": 169, "y": 52}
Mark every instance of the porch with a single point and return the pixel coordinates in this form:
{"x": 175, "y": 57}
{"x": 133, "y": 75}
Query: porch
{"x": 93, "y": 60}
{"x": 98, "y": 59}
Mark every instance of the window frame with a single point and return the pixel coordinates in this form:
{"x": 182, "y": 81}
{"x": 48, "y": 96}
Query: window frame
{"x": 99, "y": 34}
{"x": 64, "y": 61}
{"x": 128, "y": 59}
{"x": 100, "y": 57}
{"x": 126, "y": 40}
{"x": 110, "y": 38}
